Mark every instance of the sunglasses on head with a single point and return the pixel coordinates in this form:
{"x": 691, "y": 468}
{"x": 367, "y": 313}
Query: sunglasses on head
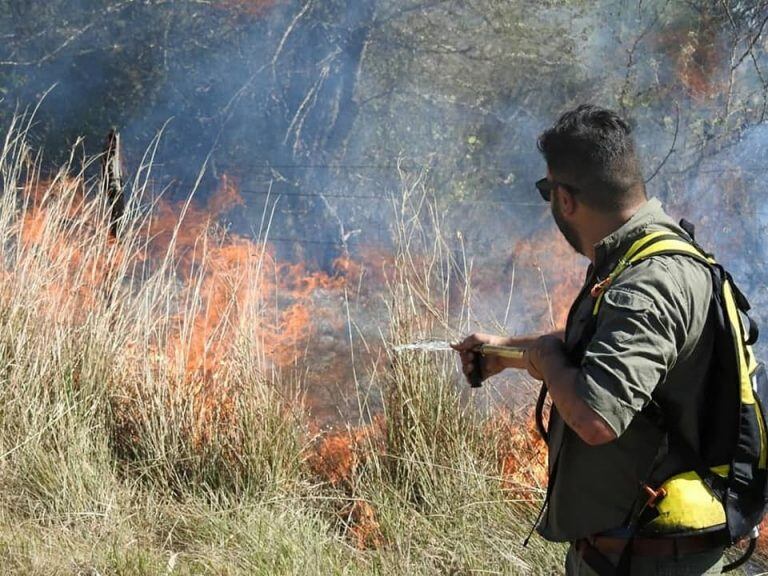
{"x": 545, "y": 188}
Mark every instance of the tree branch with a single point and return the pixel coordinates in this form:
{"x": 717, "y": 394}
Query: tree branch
{"x": 287, "y": 34}
{"x": 751, "y": 44}
{"x": 74, "y": 36}
{"x": 671, "y": 148}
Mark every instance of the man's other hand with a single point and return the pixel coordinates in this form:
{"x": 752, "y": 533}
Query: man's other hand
{"x": 541, "y": 351}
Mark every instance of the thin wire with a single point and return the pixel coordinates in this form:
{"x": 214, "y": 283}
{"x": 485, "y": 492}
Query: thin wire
{"x": 329, "y": 166}
{"x": 323, "y": 242}
{"x": 380, "y": 197}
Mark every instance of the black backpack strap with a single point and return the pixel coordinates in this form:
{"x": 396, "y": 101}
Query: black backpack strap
{"x": 744, "y": 307}
{"x": 741, "y": 560}
{"x": 540, "y": 427}
{"x": 691, "y": 457}
{"x": 689, "y": 228}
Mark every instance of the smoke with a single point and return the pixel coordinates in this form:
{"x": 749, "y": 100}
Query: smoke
{"x": 318, "y": 110}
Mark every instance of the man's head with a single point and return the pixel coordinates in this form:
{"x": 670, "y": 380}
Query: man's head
{"x": 593, "y": 171}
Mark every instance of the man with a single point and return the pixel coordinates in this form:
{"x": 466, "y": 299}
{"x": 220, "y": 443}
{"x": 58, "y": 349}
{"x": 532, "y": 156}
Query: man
{"x": 650, "y": 343}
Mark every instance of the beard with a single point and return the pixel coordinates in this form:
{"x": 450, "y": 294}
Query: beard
{"x": 566, "y": 229}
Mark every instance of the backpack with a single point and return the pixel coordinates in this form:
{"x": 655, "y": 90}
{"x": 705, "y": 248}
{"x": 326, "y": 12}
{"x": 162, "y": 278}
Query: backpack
{"x": 725, "y": 490}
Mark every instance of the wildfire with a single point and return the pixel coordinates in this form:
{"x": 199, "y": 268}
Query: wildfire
{"x": 521, "y": 453}
{"x": 559, "y": 277}
{"x": 697, "y": 55}
{"x": 227, "y": 297}
{"x": 55, "y": 234}
{"x": 238, "y": 286}
{"x": 336, "y": 459}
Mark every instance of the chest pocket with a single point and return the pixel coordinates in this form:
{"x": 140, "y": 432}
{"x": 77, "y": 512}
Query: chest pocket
{"x": 625, "y": 301}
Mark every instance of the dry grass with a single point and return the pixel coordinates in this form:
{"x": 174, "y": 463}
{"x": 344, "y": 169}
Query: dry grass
{"x": 150, "y": 423}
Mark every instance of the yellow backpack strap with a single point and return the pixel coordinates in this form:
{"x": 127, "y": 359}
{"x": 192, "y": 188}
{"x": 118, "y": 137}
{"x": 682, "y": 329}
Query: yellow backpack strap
{"x": 661, "y": 243}
{"x": 653, "y": 244}
{"x": 672, "y": 244}
{"x": 668, "y": 245}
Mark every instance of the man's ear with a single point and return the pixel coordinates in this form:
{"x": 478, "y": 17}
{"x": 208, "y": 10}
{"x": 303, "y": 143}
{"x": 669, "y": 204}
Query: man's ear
{"x": 567, "y": 201}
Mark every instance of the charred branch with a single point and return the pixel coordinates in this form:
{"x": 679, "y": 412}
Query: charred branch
{"x": 112, "y": 181}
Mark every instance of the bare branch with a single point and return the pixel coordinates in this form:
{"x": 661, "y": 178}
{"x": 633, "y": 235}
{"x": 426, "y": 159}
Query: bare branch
{"x": 419, "y": 7}
{"x": 756, "y": 65}
{"x": 288, "y": 32}
{"x": 74, "y": 36}
{"x": 751, "y": 44}
{"x": 306, "y": 105}
{"x": 671, "y": 148}
{"x": 631, "y": 56}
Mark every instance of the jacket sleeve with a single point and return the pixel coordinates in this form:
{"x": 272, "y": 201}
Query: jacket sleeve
{"x": 646, "y": 320}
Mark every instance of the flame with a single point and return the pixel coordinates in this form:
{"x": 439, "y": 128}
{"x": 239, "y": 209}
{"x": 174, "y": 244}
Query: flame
{"x": 57, "y": 227}
{"x": 371, "y": 264}
{"x": 698, "y": 58}
{"x": 234, "y": 277}
{"x": 560, "y": 276}
{"x": 229, "y": 295}
{"x": 521, "y": 452}
{"x": 245, "y": 298}
{"x": 363, "y": 525}
{"x": 336, "y": 460}
{"x": 337, "y": 454}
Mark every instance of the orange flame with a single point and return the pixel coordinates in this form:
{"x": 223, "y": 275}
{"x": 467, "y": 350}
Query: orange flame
{"x": 336, "y": 459}
{"x": 698, "y": 57}
{"x": 82, "y": 277}
{"x": 522, "y": 453}
{"x": 364, "y": 528}
{"x": 232, "y": 294}
{"x": 338, "y": 454}
{"x": 232, "y": 275}
{"x": 560, "y": 276}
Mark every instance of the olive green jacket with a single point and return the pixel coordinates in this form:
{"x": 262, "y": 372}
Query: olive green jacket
{"x": 652, "y": 340}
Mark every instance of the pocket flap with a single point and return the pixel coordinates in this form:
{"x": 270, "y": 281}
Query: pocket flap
{"x": 628, "y": 300}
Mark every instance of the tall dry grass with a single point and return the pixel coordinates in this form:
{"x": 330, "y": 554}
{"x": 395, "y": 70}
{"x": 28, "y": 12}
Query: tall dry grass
{"x": 123, "y": 452}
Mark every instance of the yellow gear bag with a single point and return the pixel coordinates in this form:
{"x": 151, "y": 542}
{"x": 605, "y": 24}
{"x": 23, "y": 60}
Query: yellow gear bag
{"x": 725, "y": 489}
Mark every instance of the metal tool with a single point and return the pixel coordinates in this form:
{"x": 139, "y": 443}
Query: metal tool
{"x": 476, "y": 376}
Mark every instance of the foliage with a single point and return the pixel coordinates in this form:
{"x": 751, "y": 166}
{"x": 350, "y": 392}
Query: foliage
{"x": 317, "y": 101}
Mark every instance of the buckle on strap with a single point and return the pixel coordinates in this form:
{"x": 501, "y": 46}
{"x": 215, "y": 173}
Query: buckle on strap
{"x": 600, "y": 287}
{"x": 654, "y": 496}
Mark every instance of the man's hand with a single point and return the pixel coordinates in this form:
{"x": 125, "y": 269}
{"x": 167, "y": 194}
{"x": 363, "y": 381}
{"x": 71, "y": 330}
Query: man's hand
{"x": 541, "y": 352}
{"x": 492, "y": 365}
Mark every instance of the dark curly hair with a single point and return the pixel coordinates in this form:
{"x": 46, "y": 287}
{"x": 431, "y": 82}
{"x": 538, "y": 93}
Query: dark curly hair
{"x": 592, "y": 149}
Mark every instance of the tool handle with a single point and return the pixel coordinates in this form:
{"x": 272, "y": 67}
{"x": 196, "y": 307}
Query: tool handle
{"x": 478, "y": 363}
{"x": 476, "y": 376}
{"x": 502, "y": 351}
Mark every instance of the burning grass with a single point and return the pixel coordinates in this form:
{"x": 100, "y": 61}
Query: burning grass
{"x": 152, "y": 418}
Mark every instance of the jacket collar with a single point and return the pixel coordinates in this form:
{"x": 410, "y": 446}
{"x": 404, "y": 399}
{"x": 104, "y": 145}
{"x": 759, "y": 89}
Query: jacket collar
{"x": 649, "y": 215}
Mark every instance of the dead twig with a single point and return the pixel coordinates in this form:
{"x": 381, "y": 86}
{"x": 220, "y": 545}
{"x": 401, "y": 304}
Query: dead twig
{"x": 287, "y": 34}
{"x": 751, "y": 52}
{"x": 672, "y": 146}
{"x": 69, "y": 40}
{"x": 751, "y": 44}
